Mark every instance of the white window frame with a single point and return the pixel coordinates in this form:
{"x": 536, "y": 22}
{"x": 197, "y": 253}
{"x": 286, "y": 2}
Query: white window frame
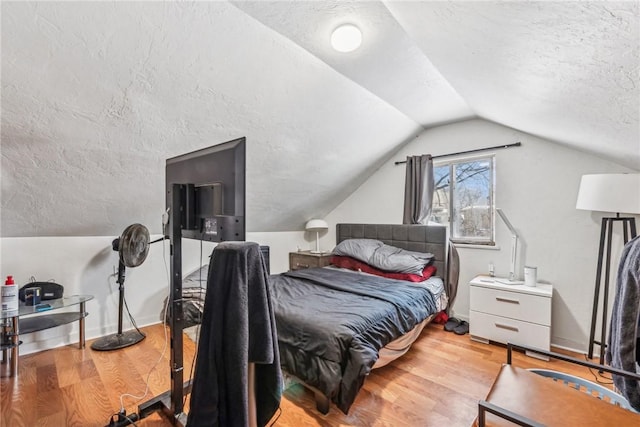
{"x": 491, "y": 241}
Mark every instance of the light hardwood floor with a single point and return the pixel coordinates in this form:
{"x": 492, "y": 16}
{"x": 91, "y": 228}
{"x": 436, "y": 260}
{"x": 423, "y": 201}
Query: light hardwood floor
{"x": 437, "y": 383}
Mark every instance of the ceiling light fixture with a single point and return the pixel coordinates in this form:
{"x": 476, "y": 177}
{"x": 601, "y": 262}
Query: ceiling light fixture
{"x": 346, "y": 38}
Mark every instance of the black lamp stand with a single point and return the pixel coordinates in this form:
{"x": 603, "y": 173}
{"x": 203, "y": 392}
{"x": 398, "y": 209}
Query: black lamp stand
{"x": 606, "y": 233}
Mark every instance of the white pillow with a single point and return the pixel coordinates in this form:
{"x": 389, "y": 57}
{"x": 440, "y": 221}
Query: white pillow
{"x": 397, "y": 260}
{"x": 384, "y": 257}
{"x": 360, "y": 249}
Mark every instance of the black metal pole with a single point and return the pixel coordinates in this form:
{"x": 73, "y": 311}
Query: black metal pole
{"x": 171, "y": 402}
{"x": 175, "y": 233}
{"x": 496, "y": 147}
{"x": 596, "y": 292}
{"x": 605, "y": 293}
{"x": 121, "y": 296}
{"x": 590, "y": 365}
{"x": 630, "y": 224}
{"x": 624, "y": 229}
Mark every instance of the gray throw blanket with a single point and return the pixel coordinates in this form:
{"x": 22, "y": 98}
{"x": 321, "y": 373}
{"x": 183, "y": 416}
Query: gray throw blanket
{"x": 621, "y": 348}
{"x": 238, "y": 327}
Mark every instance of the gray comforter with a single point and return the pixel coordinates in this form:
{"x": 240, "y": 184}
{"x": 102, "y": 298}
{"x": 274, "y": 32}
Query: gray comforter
{"x": 332, "y": 323}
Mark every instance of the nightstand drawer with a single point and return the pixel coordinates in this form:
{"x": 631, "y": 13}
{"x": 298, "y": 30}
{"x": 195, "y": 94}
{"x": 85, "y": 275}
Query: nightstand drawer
{"x": 300, "y": 260}
{"x": 513, "y": 305}
{"x": 504, "y": 330}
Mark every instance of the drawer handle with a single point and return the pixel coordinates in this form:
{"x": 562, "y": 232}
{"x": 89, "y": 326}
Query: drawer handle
{"x": 509, "y": 300}
{"x": 507, "y": 327}
{"x": 302, "y": 265}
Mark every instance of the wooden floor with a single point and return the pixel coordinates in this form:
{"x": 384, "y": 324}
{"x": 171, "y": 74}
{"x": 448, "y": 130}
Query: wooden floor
{"x": 437, "y": 383}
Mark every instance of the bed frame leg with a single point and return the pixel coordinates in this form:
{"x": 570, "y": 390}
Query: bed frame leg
{"x": 322, "y": 403}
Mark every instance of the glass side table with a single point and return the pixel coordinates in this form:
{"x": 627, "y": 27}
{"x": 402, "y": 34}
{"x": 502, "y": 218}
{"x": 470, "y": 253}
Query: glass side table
{"x": 30, "y": 318}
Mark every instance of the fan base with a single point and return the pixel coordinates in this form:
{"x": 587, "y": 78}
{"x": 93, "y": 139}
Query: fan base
{"x": 118, "y": 341}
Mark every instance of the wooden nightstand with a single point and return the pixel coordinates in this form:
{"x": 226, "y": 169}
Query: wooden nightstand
{"x": 510, "y": 313}
{"x": 306, "y": 259}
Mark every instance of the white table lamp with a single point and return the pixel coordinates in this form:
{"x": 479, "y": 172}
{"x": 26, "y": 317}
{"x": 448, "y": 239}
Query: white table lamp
{"x": 513, "y": 277}
{"x": 316, "y": 225}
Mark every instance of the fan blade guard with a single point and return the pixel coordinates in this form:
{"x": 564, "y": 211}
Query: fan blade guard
{"x": 134, "y": 245}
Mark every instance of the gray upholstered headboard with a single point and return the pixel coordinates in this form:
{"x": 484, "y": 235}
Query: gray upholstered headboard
{"x": 420, "y": 238}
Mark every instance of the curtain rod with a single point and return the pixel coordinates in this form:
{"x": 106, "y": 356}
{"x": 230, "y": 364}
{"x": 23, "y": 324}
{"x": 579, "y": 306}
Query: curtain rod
{"x": 516, "y": 144}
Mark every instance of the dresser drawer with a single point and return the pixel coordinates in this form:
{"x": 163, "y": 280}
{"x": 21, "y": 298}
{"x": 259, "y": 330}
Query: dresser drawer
{"x": 512, "y": 305}
{"x": 300, "y": 260}
{"x": 504, "y": 330}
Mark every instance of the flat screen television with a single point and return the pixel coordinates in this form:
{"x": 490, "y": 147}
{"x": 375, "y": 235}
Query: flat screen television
{"x": 212, "y": 191}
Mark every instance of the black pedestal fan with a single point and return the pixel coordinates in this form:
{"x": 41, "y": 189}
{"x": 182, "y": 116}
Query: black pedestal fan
{"x": 133, "y": 247}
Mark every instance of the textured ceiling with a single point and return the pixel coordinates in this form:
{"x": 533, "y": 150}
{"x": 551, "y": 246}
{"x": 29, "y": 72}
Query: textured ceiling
{"x": 96, "y": 95}
{"x": 568, "y": 71}
{"x": 389, "y": 63}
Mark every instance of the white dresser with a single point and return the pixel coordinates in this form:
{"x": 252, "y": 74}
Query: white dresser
{"x": 510, "y": 313}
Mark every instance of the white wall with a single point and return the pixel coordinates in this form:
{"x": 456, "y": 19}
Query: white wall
{"x": 536, "y": 186}
{"x": 85, "y": 265}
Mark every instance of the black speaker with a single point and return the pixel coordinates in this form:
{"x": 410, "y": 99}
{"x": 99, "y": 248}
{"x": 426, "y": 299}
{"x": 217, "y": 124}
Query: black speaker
{"x": 48, "y": 290}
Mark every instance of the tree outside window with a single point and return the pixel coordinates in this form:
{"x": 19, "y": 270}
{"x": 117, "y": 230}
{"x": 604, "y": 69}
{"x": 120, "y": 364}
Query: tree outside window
{"x": 463, "y": 199}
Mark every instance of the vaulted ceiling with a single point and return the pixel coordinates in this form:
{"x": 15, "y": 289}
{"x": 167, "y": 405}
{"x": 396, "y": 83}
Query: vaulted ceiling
{"x": 97, "y": 95}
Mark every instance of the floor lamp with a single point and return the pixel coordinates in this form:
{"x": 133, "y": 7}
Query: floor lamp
{"x": 608, "y": 193}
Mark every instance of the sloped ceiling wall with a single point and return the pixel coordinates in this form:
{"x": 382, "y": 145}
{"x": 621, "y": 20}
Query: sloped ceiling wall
{"x": 389, "y": 63}
{"x": 95, "y": 96}
{"x": 567, "y": 71}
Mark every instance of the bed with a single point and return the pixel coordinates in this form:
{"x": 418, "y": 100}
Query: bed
{"x": 323, "y": 355}
{"x": 335, "y": 325}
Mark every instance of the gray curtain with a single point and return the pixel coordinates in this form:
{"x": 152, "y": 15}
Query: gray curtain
{"x": 418, "y": 189}
{"x": 453, "y": 274}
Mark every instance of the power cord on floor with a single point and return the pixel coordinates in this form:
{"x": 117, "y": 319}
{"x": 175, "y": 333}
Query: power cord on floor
{"x": 599, "y": 375}
{"x": 123, "y": 419}
{"x": 164, "y": 350}
{"x": 131, "y": 319}
{"x": 134, "y": 417}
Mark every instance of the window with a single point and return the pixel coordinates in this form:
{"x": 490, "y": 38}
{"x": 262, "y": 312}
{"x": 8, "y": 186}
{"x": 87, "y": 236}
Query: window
{"x": 463, "y": 199}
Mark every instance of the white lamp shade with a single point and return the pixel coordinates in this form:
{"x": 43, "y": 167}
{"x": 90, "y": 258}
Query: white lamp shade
{"x": 618, "y": 193}
{"x": 316, "y": 225}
